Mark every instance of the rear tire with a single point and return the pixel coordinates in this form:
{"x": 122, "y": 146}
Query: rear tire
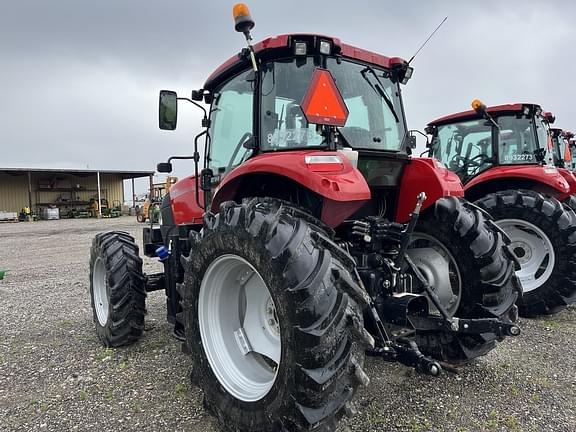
{"x": 140, "y": 218}
{"x": 571, "y": 202}
{"x": 117, "y": 288}
{"x": 481, "y": 266}
{"x": 315, "y": 365}
{"x": 546, "y": 224}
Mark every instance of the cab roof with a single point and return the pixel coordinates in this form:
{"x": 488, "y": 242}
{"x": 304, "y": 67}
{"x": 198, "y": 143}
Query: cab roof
{"x": 472, "y": 115}
{"x": 278, "y": 46}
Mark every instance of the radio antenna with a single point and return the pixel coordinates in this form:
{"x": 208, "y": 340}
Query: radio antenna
{"x": 426, "y": 41}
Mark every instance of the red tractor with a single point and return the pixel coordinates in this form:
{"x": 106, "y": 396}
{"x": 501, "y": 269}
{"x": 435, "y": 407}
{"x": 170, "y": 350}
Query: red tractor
{"x": 307, "y": 238}
{"x": 500, "y": 155}
{"x": 562, "y": 143}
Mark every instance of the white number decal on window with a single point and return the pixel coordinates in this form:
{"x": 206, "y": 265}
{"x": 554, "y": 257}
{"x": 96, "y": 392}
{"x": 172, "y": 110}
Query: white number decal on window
{"x": 518, "y": 157}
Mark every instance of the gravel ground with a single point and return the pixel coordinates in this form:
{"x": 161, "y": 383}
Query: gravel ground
{"x": 55, "y": 376}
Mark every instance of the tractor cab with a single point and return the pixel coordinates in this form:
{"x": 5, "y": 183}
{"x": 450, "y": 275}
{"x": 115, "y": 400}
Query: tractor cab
{"x": 562, "y": 153}
{"x": 571, "y": 143}
{"x": 303, "y": 122}
{"x": 471, "y": 142}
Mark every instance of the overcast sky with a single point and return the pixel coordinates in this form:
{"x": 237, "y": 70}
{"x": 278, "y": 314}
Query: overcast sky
{"x": 80, "y": 79}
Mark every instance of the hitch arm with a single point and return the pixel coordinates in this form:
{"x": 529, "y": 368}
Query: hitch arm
{"x": 463, "y": 325}
{"x": 409, "y": 355}
{"x": 407, "y": 233}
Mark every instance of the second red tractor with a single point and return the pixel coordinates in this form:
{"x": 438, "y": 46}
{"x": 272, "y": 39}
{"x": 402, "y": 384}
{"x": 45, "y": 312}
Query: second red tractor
{"x": 500, "y": 154}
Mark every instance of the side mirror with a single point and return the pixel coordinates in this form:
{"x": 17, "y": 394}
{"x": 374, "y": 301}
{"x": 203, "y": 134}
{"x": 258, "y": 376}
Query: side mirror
{"x": 168, "y": 110}
{"x": 411, "y": 144}
{"x": 164, "y": 167}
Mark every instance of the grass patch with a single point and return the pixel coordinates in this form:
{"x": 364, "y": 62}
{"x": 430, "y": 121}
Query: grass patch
{"x": 42, "y": 407}
{"x": 136, "y": 406}
{"x": 419, "y": 425}
{"x": 496, "y": 422}
{"x": 181, "y": 389}
{"x": 512, "y": 423}
{"x": 492, "y": 422}
{"x": 550, "y": 323}
{"x": 65, "y": 323}
{"x": 109, "y": 396}
{"x": 375, "y": 417}
{"x": 104, "y": 354}
{"x": 83, "y": 395}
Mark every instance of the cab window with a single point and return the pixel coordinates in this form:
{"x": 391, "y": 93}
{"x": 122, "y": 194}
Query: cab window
{"x": 231, "y": 123}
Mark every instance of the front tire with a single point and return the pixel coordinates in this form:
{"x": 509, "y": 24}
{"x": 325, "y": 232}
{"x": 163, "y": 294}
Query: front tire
{"x": 465, "y": 259}
{"x": 273, "y": 332}
{"x": 117, "y": 288}
{"x": 543, "y": 237}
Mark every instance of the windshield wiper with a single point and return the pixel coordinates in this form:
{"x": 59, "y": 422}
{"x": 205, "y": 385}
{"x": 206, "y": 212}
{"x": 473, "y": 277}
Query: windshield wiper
{"x": 379, "y": 88}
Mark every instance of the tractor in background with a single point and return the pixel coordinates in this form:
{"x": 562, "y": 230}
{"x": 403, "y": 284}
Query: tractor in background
{"x": 150, "y": 210}
{"x": 561, "y": 142}
{"x": 307, "y": 238}
{"x": 500, "y": 154}
{"x": 562, "y": 160}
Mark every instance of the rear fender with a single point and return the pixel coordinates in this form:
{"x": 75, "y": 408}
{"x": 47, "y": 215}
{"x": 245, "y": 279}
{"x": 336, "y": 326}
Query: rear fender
{"x": 543, "y": 179}
{"x": 570, "y": 179}
{"x": 429, "y": 176}
{"x": 339, "y": 184}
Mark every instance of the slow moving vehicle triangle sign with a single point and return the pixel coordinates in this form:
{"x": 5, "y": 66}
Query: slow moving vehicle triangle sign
{"x": 323, "y": 103}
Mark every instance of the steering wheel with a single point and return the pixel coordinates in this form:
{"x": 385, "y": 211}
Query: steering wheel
{"x": 459, "y": 163}
{"x": 244, "y": 138}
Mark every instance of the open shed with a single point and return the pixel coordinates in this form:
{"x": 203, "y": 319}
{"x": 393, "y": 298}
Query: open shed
{"x": 68, "y": 190}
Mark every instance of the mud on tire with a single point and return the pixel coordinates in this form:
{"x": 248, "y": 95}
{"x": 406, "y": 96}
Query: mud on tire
{"x": 489, "y": 287}
{"x": 117, "y": 288}
{"x": 558, "y": 223}
{"x": 320, "y": 323}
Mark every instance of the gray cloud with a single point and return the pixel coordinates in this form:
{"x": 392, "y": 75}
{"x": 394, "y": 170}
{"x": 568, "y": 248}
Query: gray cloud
{"x": 80, "y": 79}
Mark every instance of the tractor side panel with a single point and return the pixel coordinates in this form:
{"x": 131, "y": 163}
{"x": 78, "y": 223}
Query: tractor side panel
{"x": 546, "y": 179}
{"x": 185, "y": 209}
{"x": 429, "y": 176}
{"x": 328, "y": 174}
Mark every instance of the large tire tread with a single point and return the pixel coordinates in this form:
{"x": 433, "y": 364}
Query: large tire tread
{"x": 326, "y": 346}
{"x": 558, "y": 221}
{"x": 126, "y": 285}
{"x": 489, "y": 286}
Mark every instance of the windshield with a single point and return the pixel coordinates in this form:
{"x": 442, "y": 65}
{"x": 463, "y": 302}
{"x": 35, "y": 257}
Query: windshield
{"x": 558, "y": 150}
{"x": 375, "y": 119}
{"x": 517, "y": 140}
{"x": 465, "y": 148}
{"x": 571, "y": 164}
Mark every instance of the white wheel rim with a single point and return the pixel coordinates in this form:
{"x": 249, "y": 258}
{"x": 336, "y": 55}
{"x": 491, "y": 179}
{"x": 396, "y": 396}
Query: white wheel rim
{"x": 239, "y": 329}
{"x": 439, "y": 268}
{"x": 100, "y": 292}
{"x": 534, "y": 251}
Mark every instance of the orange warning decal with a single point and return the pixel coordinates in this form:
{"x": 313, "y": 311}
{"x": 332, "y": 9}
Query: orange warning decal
{"x": 323, "y": 103}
